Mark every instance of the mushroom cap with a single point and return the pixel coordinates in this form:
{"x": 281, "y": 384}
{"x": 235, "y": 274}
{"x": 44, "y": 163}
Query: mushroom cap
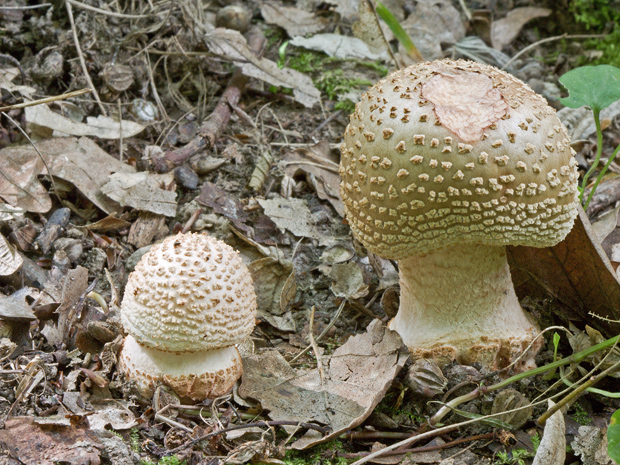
{"x": 197, "y": 375}
{"x": 452, "y": 152}
{"x": 189, "y": 293}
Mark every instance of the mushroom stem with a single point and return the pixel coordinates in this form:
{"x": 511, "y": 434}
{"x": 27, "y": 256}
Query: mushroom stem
{"x": 459, "y": 303}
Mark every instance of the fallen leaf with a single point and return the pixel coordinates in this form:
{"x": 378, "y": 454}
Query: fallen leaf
{"x": 505, "y": 30}
{"x": 16, "y": 308}
{"x": 10, "y": 260}
{"x": 316, "y": 161}
{"x": 368, "y": 29}
{"x": 275, "y": 288}
{"x": 576, "y": 272}
{"x": 357, "y": 377}
{"x": 338, "y": 46}
{"x": 292, "y": 215}
{"x": 142, "y": 191}
{"x": 348, "y": 281}
{"x": 580, "y": 122}
{"x": 223, "y": 204}
{"x": 590, "y": 445}
{"x": 433, "y": 23}
{"x": 552, "y": 447}
{"x": 78, "y": 161}
{"x": 33, "y": 444}
{"x": 115, "y": 415}
{"x": 294, "y": 21}
{"x": 102, "y": 127}
{"x": 232, "y": 45}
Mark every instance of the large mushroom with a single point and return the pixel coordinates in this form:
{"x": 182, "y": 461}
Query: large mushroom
{"x": 443, "y": 165}
{"x": 189, "y": 301}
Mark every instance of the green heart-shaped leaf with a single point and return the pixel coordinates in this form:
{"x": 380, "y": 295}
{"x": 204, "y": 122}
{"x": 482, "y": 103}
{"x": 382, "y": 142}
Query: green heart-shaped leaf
{"x": 595, "y": 86}
{"x": 613, "y": 437}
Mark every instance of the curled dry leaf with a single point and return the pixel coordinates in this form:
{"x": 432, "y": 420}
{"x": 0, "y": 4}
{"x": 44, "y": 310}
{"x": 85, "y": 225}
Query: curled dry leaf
{"x": 576, "y": 272}
{"x": 275, "y": 286}
{"x": 552, "y": 448}
{"x": 357, "y": 377}
{"x": 142, "y": 191}
{"x": 78, "y": 161}
{"x": 10, "y": 260}
{"x": 102, "y": 127}
{"x": 505, "y": 30}
{"x": 231, "y": 44}
{"x": 294, "y": 21}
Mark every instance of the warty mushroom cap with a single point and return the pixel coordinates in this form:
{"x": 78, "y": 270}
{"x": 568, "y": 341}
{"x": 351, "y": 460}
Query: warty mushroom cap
{"x": 452, "y": 152}
{"x": 198, "y": 375}
{"x": 189, "y": 293}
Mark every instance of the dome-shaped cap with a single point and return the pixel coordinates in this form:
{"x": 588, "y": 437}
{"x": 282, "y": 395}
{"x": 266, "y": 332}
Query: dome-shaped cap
{"x": 189, "y": 293}
{"x": 198, "y": 375}
{"x": 453, "y": 152}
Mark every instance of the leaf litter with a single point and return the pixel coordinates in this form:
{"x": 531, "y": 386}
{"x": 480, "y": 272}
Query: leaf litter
{"x": 61, "y": 290}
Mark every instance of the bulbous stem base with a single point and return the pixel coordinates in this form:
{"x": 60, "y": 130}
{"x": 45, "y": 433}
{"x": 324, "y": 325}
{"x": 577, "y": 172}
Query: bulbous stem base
{"x": 459, "y": 303}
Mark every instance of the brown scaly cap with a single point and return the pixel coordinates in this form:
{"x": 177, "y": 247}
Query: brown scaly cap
{"x": 454, "y": 152}
{"x": 189, "y": 293}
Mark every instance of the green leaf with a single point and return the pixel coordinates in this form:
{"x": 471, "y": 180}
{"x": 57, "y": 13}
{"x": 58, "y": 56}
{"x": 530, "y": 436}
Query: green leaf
{"x": 595, "y": 86}
{"x": 613, "y": 437}
{"x": 398, "y": 31}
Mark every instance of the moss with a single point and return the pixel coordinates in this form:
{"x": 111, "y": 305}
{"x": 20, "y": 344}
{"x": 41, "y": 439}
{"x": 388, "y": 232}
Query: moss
{"x": 600, "y": 17}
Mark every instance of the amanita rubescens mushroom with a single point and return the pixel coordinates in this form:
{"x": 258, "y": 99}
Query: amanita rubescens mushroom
{"x": 443, "y": 165}
{"x": 189, "y": 301}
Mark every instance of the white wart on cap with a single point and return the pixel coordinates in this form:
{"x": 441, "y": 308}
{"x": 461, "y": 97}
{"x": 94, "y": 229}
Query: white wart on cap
{"x": 447, "y": 159}
{"x": 189, "y": 293}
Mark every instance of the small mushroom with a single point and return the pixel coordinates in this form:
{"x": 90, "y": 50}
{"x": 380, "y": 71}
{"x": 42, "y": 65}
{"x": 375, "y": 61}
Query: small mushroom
{"x": 189, "y": 301}
{"x": 443, "y": 165}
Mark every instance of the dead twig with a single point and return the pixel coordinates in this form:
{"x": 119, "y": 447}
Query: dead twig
{"x": 55, "y": 98}
{"x": 268, "y": 424}
{"x": 213, "y": 128}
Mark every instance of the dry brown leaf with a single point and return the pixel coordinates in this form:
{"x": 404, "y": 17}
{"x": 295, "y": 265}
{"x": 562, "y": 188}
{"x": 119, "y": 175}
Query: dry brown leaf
{"x": 78, "y": 161}
{"x": 368, "y": 29}
{"x": 142, "y": 191}
{"x": 576, "y": 272}
{"x": 275, "y": 288}
{"x": 505, "y": 30}
{"x": 33, "y": 444}
{"x": 10, "y": 260}
{"x": 16, "y": 308}
{"x": 102, "y": 127}
{"x": 292, "y": 215}
{"x": 552, "y": 448}
{"x": 294, "y": 21}
{"x": 357, "y": 376}
{"x": 232, "y": 45}
{"x": 316, "y": 161}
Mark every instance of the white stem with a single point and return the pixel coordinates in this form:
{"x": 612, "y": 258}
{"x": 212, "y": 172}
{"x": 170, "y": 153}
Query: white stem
{"x": 459, "y": 303}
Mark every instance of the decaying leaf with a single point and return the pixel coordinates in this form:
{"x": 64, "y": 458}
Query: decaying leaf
{"x": 33, "y": 444}
{"x": 576, "y": 272}
{"x": 338, "y": 46}
{"x": 232, "y": 44}
{"x": 315, "y": 162}
{"x": 115, "y": 415}
{"x": 368, "y": 29}
{"x": 348, "y": 281}
{"x": 10, "y": 260}
{"x": 505, "y": 30}
{"x": 292, "y": 215}
{"x": 552, "y": 448}
{"x": 357, "y": 376}
{"x": 580, "y": 122}
{"x": 16, "y": 308}
{"x": 590, "y": 445}
{"x": 102, "y": 127}
{"x": 142, "y": 191}
{"x": 294, "y": 21}
{"x": 78, "y": 161}
{"x": 432, "y": 23}
{"x": 223, "y": 204}
{"x": 275, "y": 288}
